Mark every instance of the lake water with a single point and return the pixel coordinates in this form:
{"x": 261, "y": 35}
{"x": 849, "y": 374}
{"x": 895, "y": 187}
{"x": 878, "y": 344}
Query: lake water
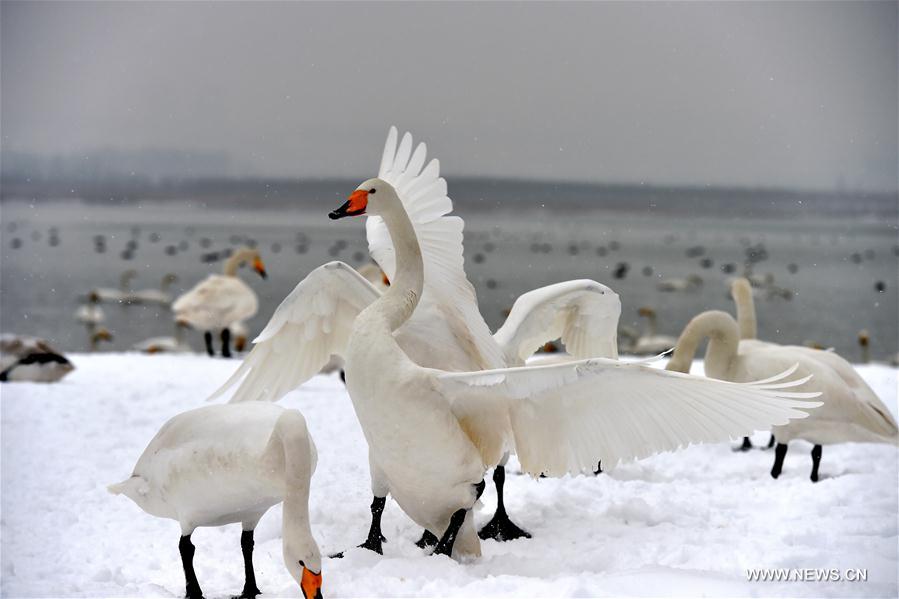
{"x": 841, "y": 269}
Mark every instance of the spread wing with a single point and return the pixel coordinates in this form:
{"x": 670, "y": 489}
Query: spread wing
{"x": 583, "y": 313}
{"x": 446, "y": 289}
{"x": 567, "y": 417}
{"x": 313, "y": 322}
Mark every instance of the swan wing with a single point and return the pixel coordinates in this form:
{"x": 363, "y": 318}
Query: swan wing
{"x": 567, "y": 417}
{"x": 423, "y": 193}
{"x": 313, "y": 322}
{"x": 583, "y": 313}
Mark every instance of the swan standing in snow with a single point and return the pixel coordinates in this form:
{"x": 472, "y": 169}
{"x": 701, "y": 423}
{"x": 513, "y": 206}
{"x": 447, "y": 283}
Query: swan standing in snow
{"x": 122, "y": 295}
{"x": 432, "y": 433}
{"x": 219, "y": 300}
{"x": 850, "y": 411}
{"x": 31, "y": 359}
{"x": 447, "y": 330}
{"x": 230, "y": 463}
{"x": 650, "y": 343}
{"x": 159, "y": 296}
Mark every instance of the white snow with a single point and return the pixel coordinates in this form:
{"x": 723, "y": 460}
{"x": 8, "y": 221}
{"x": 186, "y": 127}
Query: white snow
{"x": 687, "y": 523}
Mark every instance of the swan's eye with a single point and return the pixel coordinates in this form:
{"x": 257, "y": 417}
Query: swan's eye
{"x": 372, "y": 190}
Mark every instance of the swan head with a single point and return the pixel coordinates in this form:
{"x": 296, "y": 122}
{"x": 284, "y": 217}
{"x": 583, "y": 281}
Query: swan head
{"x": 367, "y": 199}
{"x": 304, "y": 563}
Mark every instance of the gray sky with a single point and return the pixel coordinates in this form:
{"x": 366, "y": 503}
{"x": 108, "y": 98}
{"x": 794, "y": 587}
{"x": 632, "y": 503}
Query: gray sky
{"x": 772, "y": 94}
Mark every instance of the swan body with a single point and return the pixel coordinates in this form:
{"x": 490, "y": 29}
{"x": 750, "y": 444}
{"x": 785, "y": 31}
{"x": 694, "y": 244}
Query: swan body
{"x": 31, "y": 359}
{"x": 90, "y": 314}
{"x": 230, "y": 463}
{"x": 168, "y": 345}
{"x": 220, "y": 300}
{"x": 432, "y": 432}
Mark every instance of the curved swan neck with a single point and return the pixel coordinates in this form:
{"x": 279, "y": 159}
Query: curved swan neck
{"x": 741, "y": 292}
{"x": 723, "y": 335}
{"x": 298, "y": 467}
{"x": 400, "y": 300}
{"x": 237, "y": 258}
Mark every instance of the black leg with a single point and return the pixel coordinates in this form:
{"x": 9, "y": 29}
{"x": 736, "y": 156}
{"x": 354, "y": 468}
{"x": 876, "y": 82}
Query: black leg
{"x": 343, "y": 376}
{"x": 428, "y": 539}
{"x": 375, "y": 538}
{"x": 226, "y": 343}
{"x": 816, "y": 460}
{"x": 500, "y": 527}
{"x": 445, "y": 544}
{"x": 746, "y": 446}
{"x": 207, "y": 336}
{"x": 770, "y": 442}
{"x": 186, "y": 548}
{"x": 598, "y": 470}
{"x": 780, "y": 452}
{"x": 246, "y": 547}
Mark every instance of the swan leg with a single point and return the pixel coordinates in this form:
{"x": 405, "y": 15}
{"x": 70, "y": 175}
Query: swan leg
{"x": 770, "y": 442}
{"x": 226, "y": 343}
{"x": 780, "y": 452}
{"x": 375, "y": 538}
{"x": 246, "y": 547}
{"x": 598, "y": 470}
{"x": 207, "y": 336}
{"x": 500, "y": 527}
{"x": 446, "y": 542}
{"x": 816, "y": 460}
{"x": 746, "y": 445}
{"x": 186, "y": 548}
{"x": 428, "y": 539}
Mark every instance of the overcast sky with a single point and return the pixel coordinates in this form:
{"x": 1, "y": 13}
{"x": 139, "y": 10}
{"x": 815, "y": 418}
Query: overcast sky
{"x": 773, "y": 94}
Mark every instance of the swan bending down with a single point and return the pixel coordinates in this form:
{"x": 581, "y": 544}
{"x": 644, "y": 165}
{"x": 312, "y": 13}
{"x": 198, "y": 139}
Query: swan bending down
{"x": 433, "y": 433}
{"x": 31, "y": 359}
{"x": 230, "y": 463}
{"x": 122, "y": 295}
{"x": 447, "y": 330}
{"x": 219, "y": 300}
{"x": 850, "y": 410}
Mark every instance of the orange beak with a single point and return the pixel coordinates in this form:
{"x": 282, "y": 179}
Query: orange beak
{"x": 311, "y": 584}
{"x": 352, "y": 207}
{"x": 259, "y": 267}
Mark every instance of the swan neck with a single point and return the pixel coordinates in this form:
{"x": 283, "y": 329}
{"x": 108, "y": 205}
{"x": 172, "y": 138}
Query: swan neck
{"x": 236, "y": 259}
{"x": 723, "y": 334}
{"x": 651, "y": 324}
{"x": 400, "y": 300}
{"x": 746, "y": 315}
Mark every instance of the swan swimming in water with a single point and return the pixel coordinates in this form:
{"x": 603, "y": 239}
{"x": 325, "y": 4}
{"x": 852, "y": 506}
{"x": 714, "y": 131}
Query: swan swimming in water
{"x": 432, "y": 433}
{"x": 230, "y": 463}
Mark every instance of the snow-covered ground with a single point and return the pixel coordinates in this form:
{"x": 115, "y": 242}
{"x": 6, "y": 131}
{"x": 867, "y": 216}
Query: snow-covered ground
{"x": 688, "y": 523}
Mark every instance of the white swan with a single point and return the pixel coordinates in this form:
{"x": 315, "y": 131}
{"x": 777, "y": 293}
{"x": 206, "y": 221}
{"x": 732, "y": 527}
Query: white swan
{"x": 219, "y": 300}
{"x": 850, "y": 411}
{"x": 121, "y": 295}
{"x": 31, "y": 359}
{"x": 223, "y": 464}
{"x": 447, "y": 330}
{"x": 432, "y": 433}
{"x": 159, "y": 296}
{"x": 165, "y": 345}
{"x": 651, "y": 343}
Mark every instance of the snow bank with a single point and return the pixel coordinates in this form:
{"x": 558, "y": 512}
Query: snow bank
{"x": 687, "y": 523}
